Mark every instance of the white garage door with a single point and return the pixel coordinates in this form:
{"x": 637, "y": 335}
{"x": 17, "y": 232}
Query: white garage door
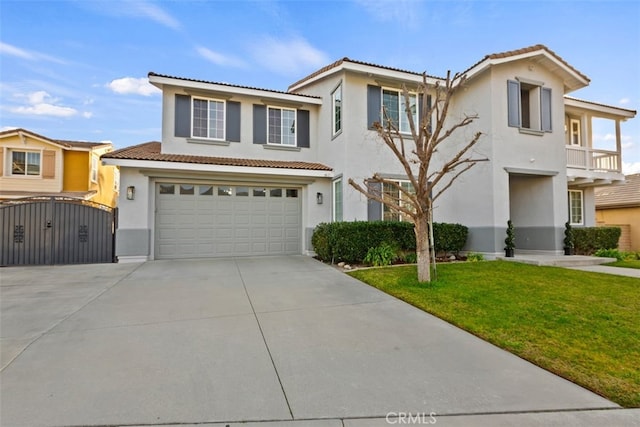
{"x": 209, "y": 220}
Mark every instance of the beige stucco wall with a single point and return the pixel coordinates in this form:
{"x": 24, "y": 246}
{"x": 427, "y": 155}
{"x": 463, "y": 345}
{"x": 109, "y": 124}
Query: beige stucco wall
{"x": 622, "y": 216}
{"x": 29, "y": 183}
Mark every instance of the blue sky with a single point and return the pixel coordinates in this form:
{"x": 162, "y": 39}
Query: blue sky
{"x": 77, "y": 69}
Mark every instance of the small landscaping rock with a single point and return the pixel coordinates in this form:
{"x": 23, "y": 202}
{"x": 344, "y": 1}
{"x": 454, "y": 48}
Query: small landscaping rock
{"x": 452, "y": 258}
{"x": 347, "y": 267}
{"x": 341, "y": 264}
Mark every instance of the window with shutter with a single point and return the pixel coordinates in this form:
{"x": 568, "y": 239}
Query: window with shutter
{"x": 529, "y": 106}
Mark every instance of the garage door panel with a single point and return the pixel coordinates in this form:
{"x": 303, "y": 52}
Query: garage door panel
{"x": 201, "y": 220}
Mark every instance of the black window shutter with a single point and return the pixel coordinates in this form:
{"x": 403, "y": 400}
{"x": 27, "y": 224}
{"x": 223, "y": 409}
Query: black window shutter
{"x": 546, "y": 109}
{"x": 374, "y": 105}
{"x": 302, "y": 131}
{"x": 513, "y": 101}
{"x": 233, "y": 121}
{"x": 259, "y": 124}
{"x": 183, "y": 116}
{"x": 374, "y": 208}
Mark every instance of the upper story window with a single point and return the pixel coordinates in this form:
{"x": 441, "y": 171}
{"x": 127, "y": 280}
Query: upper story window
{"x": 393, "y": 103}
{"x": 282, "y": 126}
{"x": 208, "y": 118}
{"x": 26, "y": 163}
{"x": 529, "y": 105}
{"x": 336, "y": 101}
{"x": 392, "y": 193}
{"x": 574, "y": 132}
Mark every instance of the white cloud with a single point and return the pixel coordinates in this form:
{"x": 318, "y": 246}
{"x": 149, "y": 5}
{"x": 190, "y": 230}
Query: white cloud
{"x": 4, "y": 128}
{"x": 155, "y": 13}
{"x": 288, "y": 57}
{"x": 40, "y": 103}
{"x": 87, "y": 114}
{"x": 219, "y": 58}
{"x": 624, "y": 101}
{"x": 11, "y": 50}
{"x": 132, "y": 85}
{"x": 398, "y": 11}
{"x": 630, "y": 168}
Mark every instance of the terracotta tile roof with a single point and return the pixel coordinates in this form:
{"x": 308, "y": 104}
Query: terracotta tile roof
{"x": 151, "y": 73}
{"x": 151, "y": 151}
{"x": 353, "y": 61}
{"x": 61, "y": 142}
{"x": 623, "y": 195}
{"x": 524, "y": 50}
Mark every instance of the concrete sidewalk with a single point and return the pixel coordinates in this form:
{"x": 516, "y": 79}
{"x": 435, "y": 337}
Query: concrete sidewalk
{"x": 616, "y": 271}
{"x": 282, "y": 339}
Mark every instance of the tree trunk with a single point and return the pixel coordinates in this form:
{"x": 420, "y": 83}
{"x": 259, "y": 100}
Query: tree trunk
{"x": 422, "y": 249}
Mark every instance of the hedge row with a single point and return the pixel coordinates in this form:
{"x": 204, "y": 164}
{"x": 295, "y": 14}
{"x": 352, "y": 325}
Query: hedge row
{"x": 587, "y": 240}
{"x": 350, "y": 241}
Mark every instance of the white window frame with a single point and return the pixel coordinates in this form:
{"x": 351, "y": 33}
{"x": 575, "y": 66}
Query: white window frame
{"x": 577, "y": 132}
{"x": 116, "y": 179}
{"x": 209, "y": 129}
{"x": 26, "y": 163}
{"x": 387, "y": 211}
{"x": 403, "y": 120}
{"x": 94, "y": 168}
{"x": 571, "y": 210}
{"x": 284, "y": 142}
{"x": 336, "y": 110}
{"x": 338, "y": 200}
{"x": 532, "y": 107}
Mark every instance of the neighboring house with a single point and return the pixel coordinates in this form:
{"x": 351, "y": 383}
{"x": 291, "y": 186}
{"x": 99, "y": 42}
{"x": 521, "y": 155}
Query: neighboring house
{"x": 243, "y": 171}
{"x": 35, "y": 165}
{"x": 619, "y": 205}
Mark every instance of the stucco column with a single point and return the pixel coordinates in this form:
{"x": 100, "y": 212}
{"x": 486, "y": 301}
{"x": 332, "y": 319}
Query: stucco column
{"x": 618, "y": 146}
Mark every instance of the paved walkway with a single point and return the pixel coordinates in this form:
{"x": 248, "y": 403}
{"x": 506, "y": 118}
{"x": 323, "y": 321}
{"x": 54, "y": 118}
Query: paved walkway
{"x": 618, "y": 271}
{"x": 277, "y": 340}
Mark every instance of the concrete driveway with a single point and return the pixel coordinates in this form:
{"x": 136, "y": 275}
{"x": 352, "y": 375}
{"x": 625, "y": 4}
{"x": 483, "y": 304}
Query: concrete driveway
{"x": 245, "y": 339}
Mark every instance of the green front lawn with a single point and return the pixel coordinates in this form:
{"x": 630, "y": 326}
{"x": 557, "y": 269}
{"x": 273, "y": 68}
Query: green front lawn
{"x": 580, "y": 325}
{"x": 626, "y": 264}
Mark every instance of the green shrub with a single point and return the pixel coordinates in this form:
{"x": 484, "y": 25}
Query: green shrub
{"x": 587, "y": 240}
{"x": 474, "y": 257}
{"x": 610, "y": 253}
{"x": 409, "y": 257}
{"x": 381, "y": 255}
{"x": 449, "y": 238}
{"x": 350, "y": 241}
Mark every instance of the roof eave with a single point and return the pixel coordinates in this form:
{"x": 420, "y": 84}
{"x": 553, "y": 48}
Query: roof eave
{"x": 161, "y": 81}
{"x": 572, "y": 79}
{"x": 197, "y": 167}
{"x": 601, "y": 108}
{"x": 367, "y": 69}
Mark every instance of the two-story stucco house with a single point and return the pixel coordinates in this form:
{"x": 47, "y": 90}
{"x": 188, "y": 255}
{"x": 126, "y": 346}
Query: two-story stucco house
{"x": 246, "y": 171}
{"x": 35, "y": 165}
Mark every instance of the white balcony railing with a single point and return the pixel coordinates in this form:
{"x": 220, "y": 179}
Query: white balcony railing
{"x": 594, "y": 160}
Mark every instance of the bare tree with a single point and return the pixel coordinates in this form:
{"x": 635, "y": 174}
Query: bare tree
{"x": 428, "y": 180}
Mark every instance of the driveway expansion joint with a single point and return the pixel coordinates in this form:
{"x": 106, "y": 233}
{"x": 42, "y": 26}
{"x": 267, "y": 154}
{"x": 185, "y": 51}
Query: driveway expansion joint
{"x": 264, "y": 340}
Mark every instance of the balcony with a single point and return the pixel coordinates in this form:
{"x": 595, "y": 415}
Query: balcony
{"x": 593, "y": 160}
{"x": 593, "y": 139}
